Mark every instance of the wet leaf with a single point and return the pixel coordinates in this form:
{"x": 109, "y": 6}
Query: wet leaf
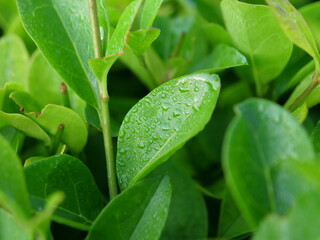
{"x": 162, "y": 122}
{"x": 63, "y": 33}
{"x": 83, "y": 201}
{"x": 140, "y": 212}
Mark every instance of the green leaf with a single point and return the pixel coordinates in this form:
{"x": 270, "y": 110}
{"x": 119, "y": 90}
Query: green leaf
{"x": 310, "y": 13}
{"x": 120, "y": 34}
{"x": 162, "y": 122}
{"x": 10, "y": 228}
{"x": 13, "y": 190}
{"x": 303, "y": 220}
{"x": 187, "y": 208}
{"x": 231, "y": 222}
{"x": 75, "y": 131}
{"x": 63, "y": 33}
{"x": 140, "y": 40}
{"x": 83, "y": 201}
{"x": 44, "y": 83}
{"x": 26, "y": 102}
{"x": 149, "y": 13}
{"x": 26, "y": 126}
{"x": 258, "y": 36}
{"x": 295, "y": 27}
{"x": 6, "y": 104}
{"x": 268, "y": 136}
{"x": 140, "y": 212}
{"x": 315, "y": 137}
{"x": 221, "y": 58}
{"x": 14, "y": 65}
{"x": 117, "y": 42}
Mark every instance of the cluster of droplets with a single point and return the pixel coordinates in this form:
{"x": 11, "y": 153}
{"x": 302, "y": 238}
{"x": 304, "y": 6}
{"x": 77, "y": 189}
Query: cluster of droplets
{"x": 155, "y": 121}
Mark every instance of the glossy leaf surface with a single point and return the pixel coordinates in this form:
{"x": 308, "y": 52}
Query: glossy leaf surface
{"x": 62, "y": 31}
{"x": 14, "y": 66}
{"x": 13, "y": 190}
{"x": 140, "y": 212}
{"x": 268, "y": 136}
{"x": 83, "y": 201}
{"x": 162, "y": 122}
{"x": 256, "y": 33}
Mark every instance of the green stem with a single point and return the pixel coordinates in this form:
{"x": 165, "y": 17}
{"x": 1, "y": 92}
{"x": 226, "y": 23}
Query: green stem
{"x": 65, "y": 95}
{"x": 104, "y": 106}
{"x": 299, "y": 100}
{"x": 56, "y": 140}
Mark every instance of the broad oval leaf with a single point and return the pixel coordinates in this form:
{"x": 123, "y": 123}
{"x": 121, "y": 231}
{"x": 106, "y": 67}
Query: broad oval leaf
{"x": 75, "y": 132}
{"x": 26, "y": 126}
{"x": 140, "y": 212}
{"x": 62, "y": 31}
{"x": 268, "y": 136}
{"x": 162, "y": 122}
{"x": 295, "y": 27}
{"x": 14, "y": 65}
{"x": 83, "y": 201}
{"x": 12, "y": 183}
{"x": 258, "y": 36}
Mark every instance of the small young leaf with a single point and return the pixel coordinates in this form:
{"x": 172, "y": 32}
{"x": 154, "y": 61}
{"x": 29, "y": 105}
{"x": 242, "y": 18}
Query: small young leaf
{"x": 140, "y": 212}
{"x": 13, "y": 190}
{"x": 117, "y": 42}
{"x": 295, "y": 27}
{"x": 14, "y": 66}
{"x": 140, "y": 40}
{"x": 63, "y": 33}
{"x": 83, "y": 201}
{"x": 149, "y": 13}
{"x": 75, "y": 131}
{"x": 258, "y": 36}
{"x": 268, "y": 136}
{"x": 162, "y": 122}
{"x": 26, "y": 126}
{"x": 26, "y": 102}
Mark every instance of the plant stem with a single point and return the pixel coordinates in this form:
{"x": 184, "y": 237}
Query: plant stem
{"x": 104, "y": 106}
{"x": 95, "y": 28}
{"x": 299, "y": 100}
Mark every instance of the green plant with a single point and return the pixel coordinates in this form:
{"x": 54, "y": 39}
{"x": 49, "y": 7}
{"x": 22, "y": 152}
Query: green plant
{"x": 163, "y": 156}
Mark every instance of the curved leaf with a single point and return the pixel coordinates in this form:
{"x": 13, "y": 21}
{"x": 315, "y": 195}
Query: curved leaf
{"x": 75, "y": 131}
{"x": 268, "y": 137}
{"x": 14, "y": 65}
{"x": 258, "y": 36}
{"x": 140, "y": 212}
{"x": 149, "y": 13}
{"x": 26, "y": 126}
{"x": 162, "y": 122}
{"x": 63, "y": 33}
{"x": 13, "y": 190}
{"x": 295, "y": 27}
{"x": 83, "y": 201}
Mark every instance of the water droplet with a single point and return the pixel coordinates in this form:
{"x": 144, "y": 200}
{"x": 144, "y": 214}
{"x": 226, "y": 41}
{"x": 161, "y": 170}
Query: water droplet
{"x": 184, "y": 89}
{"x": 141, "y": 145}
{"x": 134, "y": 110}
{"x": 165, "y": 127}
{"x": 196, "y": 89}
{"x": 163, "y": 95}
{"x": 176, "y": 113}
{"x": 165, "y": 107}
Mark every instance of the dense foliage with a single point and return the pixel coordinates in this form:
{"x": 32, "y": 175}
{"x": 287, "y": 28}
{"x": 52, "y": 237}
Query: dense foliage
{"x": 159, "y": 119}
